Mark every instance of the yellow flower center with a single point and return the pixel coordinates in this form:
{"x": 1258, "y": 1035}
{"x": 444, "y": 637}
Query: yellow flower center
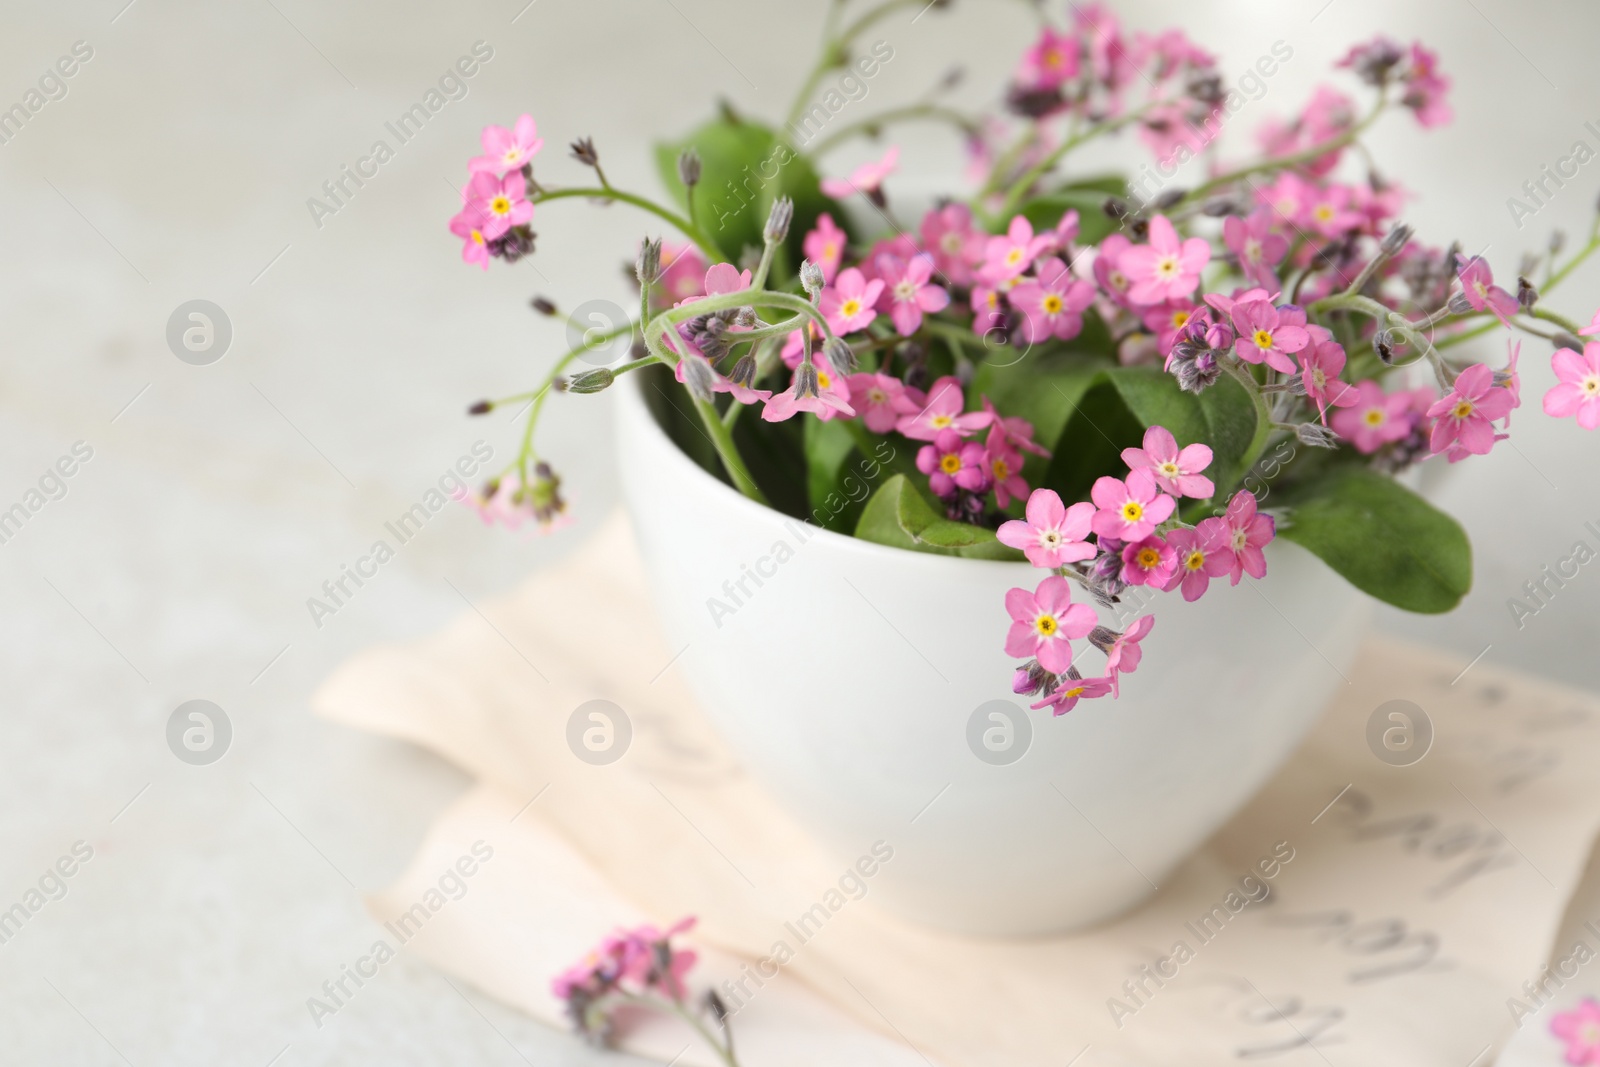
{"x": 1318, "y": 378}
{"x": 1591, "y": 385}
{"x": 940, "y": 422}
{"x": 1262, "y": 338}
{"x": 1149, "y": 558}
{"x": 1076, "y": 691}
{"x": 1052, "y": 58}
{"x": 877, "y": 397}
{"x": 512, "y": 155}
{"x": 1052, "y": 304}
{"x": 1180, "y": 319}
{"x": 1324, "y": 212}
{"x": 850, "y": 308}
{"x": 1195, "y": 560}
{"x": 1170, "y": 469}
{"x": 1167, "y": 266}
{"x": 1002, "y": 470}
{"x": 500, "y": 205}
{"x": 950, "y": 463}
{"x": 477, "y": 237}
{"x": 951, "y": 242}
{"x": 1132, "y": 511}
{"x": 823, "y": 381}
{"x": 1463, "y": 409}
{"x": 1046, "y": 625}
{"x": 830, "y": 249}
{"x": 1374, "y": 417}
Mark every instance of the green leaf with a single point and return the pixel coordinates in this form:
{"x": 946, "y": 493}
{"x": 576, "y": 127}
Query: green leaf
{"x": 1386, "y": 540}
{"x": 1098, "y": 428}
{"x": 1223, "y": 417}
{"x": 1045, "y": 389}
{"x": 1088, "y": 198}
{"x": 898, "y": 515}
{"x": 829, "y": 448}
{"x": 745, "y": 166}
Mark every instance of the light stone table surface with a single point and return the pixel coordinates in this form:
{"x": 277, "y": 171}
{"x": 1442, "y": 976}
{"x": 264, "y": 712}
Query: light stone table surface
{"x": 219, "y": 498}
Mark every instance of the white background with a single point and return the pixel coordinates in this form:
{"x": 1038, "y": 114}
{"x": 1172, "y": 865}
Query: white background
{"x": 178, "y": 167}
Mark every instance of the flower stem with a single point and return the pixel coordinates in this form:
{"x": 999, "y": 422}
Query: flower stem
{"x": 540, "y": 394}
{"x": 835, "y": 46}
{"x": 1258, "y": 441}
{"x": 936, "y": 112}
{"x": 1020, "y": 187}
{"x": 684, "y": 226}
{"x": 1305, "y": 155}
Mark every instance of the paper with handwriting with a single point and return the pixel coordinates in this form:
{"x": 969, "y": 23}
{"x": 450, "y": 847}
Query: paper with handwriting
{"x": 1357, "y": 911}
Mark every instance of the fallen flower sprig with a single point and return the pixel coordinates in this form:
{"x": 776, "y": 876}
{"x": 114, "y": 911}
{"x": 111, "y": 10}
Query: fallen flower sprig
{"x": 641, "y": 969}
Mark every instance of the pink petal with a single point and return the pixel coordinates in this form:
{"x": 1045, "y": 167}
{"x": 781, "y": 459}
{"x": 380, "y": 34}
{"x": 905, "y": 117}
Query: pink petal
{"x": 1195, "y": 457}
{"x": 1160, "y": 444}
{"x": 1022, "y": 640}
{"x": 1075, "y": 526}
{"x": 1045, "y": 510}
{"x": 1054, "y": 595}
{"x": 1109, "y": 494}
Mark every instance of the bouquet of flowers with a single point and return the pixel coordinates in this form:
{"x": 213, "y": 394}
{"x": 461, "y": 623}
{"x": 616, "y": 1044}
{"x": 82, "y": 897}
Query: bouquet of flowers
{"x": 1134, "y": 386}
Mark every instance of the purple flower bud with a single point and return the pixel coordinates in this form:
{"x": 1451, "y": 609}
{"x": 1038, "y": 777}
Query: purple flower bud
{"x": 697, "y": 375}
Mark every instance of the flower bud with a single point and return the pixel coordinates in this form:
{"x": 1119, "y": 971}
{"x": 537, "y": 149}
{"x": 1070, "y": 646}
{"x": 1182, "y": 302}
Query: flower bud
{"x": 647, "y": 267}
{"x": 1103, "y": 637}
{"x": 745, "y": 317}
{"x": 1030, "y": 678}
{"x": 689, "y": 168}
{"x": 744, "y": 371}
{"x": 778, "y": 220}
{"x": 583, "y": 151}
{"x": 1563, "y": 339}
{"x": 1383, "y": 344}
{"x": 544, "y": 496}
{"x": 717, "y": 1009}
{"x": 591, "y": 381}
{"x": 805, "y": 381}
{"x": 1115, "y": 208}
{"x": 1316, "y": 435}
{"x": 1558, "y": 241}
{"x": 1395, "y": 239}
{"x": 698, "y": 376}
{"x": 542, "y": 306}
{"x": 1459, "y": 304}
{"x": 511, "y": 245}
{"x": 811, "y": 278}
{"x": 482, "y": 407}
{"x": 1168, "y": 198}
{"x": 842, "y": 356}
{"x": 1527, "y": 295}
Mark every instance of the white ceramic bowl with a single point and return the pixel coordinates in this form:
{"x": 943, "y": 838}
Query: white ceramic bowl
{"x": 848, "y": 679}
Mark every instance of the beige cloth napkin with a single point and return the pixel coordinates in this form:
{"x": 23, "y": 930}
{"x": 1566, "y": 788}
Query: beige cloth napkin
{"x": 1403, "y": 906}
